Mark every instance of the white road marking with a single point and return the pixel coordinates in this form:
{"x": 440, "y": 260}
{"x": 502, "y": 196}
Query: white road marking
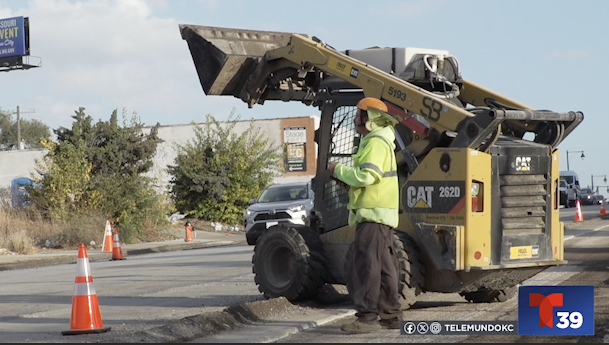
{"x": 573, "y": 236}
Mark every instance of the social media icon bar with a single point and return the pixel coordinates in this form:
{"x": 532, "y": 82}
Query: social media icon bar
{"x": 432, "y": 328}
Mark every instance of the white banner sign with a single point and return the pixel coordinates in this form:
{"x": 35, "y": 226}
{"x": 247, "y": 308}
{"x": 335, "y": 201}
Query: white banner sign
{"x": 294, "y": 135}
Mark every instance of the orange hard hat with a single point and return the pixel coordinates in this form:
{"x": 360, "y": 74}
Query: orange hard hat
{"x": 371, "y": 102}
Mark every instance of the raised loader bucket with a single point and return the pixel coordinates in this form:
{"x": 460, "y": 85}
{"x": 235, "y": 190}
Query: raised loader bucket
{"x": 225, "y": 58}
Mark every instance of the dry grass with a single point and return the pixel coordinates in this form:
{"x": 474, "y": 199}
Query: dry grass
{"x": 27, "y": 231}
{"x": 14, "y": 234}
{"x": 17, "y": 242}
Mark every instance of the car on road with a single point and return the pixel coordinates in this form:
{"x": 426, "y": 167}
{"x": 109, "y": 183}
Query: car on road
{"x": 573, "y": 187}
{"x": 290, "y": 203}
{"x": 586, "y": 196}
{"x": 598, "y": 199}
{"x": 567, "y": 195}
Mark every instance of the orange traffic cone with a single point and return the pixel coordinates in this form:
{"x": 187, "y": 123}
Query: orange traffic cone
{"x": 579, "y": 217}
{"x": 188, "y": 229}
{"x": 86, "y": 317}
{"x": 107, "y": 243}
{"x": 117, "y": 251}
{"x": 603, "y": 211}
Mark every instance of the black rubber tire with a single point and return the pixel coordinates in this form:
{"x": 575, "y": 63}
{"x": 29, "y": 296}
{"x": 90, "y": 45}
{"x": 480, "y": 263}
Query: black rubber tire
{"x": 289, "y": 262}
{"x": 489, "y": 296}
{"x": 411, "y": 268}
{"x": 409, "y": 264}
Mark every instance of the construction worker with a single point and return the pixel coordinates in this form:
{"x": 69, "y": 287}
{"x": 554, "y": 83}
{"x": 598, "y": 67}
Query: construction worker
{"x": 373, "y": 212}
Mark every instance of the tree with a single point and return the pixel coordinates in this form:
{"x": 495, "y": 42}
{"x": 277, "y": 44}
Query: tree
{"x": 65, "y": 174}
{"x": 101, "y": 167}
{"x": 215, "y": 174}
{"x": 32, "y": 132}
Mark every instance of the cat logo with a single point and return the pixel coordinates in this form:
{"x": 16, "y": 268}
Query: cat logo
{"x": 419, "y": 197}
{"x": 523, "y": 164}
{"x": 354, "y": 72}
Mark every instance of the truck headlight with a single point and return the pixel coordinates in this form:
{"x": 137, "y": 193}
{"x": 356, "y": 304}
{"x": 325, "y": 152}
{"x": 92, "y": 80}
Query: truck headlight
{"x": 297, "y": 208}
{"x": 248, "y": 212}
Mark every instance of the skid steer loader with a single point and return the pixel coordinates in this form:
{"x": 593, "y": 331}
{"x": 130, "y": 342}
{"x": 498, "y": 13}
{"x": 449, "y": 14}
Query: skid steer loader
{"x": 479, "y": 200}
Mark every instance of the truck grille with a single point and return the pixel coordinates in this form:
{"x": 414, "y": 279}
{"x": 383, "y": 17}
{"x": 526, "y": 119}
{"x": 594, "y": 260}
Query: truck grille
{"x": 523, "y": 203}
{"x": 266, "y": 216}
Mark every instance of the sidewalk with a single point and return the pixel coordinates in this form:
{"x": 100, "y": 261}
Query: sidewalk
{"x": 57, "y": 257}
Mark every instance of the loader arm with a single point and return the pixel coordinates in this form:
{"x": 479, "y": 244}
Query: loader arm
{"x": 256, "y": 66}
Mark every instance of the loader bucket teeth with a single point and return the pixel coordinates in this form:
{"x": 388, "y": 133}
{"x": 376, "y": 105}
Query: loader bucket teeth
{"x": 225, "y": 58}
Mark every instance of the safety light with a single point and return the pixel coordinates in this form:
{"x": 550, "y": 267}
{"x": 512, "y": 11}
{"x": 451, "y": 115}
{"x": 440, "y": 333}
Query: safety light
{"x": 477, "y": 196}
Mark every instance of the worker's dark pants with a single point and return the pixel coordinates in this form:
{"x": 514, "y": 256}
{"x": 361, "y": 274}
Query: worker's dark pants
{"x": 375, "y": 283}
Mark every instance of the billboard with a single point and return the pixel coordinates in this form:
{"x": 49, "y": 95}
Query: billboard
{"x": 14, "y": 37}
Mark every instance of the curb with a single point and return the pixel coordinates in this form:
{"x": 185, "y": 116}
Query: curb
{"x": 199, "y": 328}
{"x": 175, "y": 247}
{"x": 63, "y": 259}
{"x": 307, "y": 325}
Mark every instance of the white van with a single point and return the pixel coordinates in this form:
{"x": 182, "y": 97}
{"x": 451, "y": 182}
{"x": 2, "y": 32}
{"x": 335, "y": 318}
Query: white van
{"x": 573, "y": 191}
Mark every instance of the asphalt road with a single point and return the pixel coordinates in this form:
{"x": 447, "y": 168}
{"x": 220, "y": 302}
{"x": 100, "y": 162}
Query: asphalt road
{"x": 135, "y": 294}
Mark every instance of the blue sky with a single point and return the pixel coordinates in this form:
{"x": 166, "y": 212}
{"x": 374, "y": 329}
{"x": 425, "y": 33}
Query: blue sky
{"x": 128, "y": 55}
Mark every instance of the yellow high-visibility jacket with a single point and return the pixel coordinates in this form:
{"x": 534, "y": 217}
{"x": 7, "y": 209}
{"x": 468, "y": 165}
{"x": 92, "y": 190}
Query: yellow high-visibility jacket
{"x": 373, "y": 180}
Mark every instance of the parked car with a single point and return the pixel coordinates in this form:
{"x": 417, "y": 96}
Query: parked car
{"x": 586, "y": 196}
{"x": 279, "y": 203}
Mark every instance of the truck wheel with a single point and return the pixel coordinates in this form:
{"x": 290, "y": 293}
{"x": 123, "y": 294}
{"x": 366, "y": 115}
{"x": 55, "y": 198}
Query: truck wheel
{"x": 289, "y": 262}
{"x": 409, "y": 264}
{"x": 489, "y": 296}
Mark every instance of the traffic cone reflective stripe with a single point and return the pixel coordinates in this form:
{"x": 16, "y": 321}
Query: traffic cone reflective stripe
{"x": 86, "y": 316}
{"x": 117, "y": 251}
{"x": 579, "y": 217}
{"x": 107, "y": 244}
{"x": 603, "y": 211}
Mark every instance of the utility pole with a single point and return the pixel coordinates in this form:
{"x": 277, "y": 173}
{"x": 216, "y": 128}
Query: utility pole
{"x": 19, "y": 126}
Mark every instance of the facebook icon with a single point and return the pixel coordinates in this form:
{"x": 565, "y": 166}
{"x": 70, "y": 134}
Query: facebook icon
{"x": 409, "y": 328}
{"x": 556, "y": 310}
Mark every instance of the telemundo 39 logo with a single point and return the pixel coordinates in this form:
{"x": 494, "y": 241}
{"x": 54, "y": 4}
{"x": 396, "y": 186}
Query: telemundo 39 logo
{"x": 556, "y": 310}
